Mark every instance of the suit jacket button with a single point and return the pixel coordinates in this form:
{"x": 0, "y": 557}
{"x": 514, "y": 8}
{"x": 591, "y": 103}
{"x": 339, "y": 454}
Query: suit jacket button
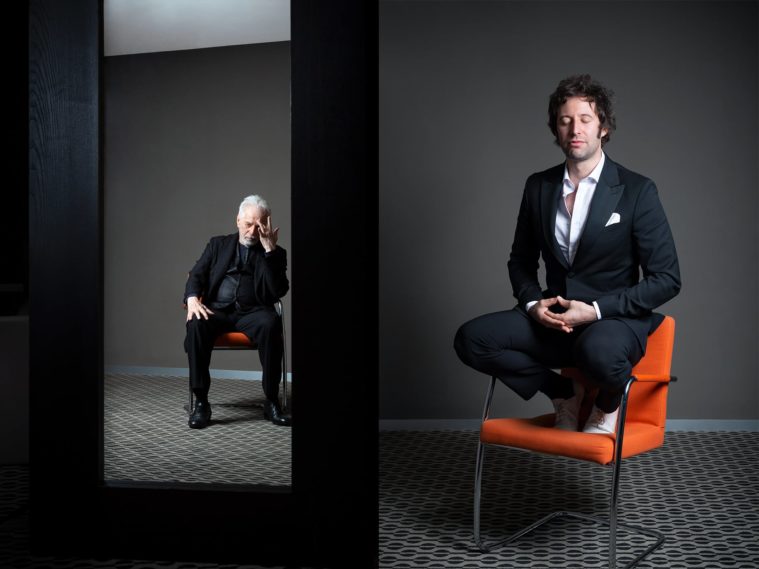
{"x": 570, "y": 274}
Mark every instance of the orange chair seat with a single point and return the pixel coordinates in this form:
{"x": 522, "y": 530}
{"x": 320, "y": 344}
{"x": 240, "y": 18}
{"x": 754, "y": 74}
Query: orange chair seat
{"x": 234, "y": 340}
{"x": 537, "y": 434}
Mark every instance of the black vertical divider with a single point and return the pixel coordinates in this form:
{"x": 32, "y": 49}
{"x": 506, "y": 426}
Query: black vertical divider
{"x": 335, "y": 254}
{"x": 14, "y": 231}
{"x": 330, "y": 517}
{"x": 65, "y": 244}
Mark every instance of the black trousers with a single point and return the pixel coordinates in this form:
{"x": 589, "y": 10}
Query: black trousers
{"x": 513, "y": 347}
{"x": 262, "y": 325}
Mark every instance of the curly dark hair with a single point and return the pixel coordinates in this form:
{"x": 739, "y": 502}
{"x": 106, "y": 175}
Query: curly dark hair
{"x": 586, "y": 87}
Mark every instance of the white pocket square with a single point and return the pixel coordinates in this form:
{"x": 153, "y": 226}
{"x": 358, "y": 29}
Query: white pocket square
{"x": 613, "y": 219}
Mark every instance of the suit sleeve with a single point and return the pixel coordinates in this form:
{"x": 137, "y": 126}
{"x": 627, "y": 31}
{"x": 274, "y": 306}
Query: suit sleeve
{"x": 657, "y": 258}
{"x": 274, "y": 284}
{"x": 197, "y": 281}
{"x": 525, "y": 253}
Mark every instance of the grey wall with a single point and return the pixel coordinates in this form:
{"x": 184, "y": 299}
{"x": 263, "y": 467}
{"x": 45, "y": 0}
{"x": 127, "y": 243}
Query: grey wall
{"x": 463, "y": 97}
{"x": 188, "y": 134}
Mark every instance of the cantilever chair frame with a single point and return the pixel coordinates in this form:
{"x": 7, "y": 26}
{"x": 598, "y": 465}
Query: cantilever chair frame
{"x": 280, "y": 308}
{"x": 611, "y": 522}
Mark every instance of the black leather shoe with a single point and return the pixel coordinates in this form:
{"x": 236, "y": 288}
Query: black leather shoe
{"x": 273, "y": 413}
{"x": 201, "y": 415}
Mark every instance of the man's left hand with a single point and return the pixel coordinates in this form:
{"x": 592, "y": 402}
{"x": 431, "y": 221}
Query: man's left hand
{"x": 267, "y": 235}
{"x": 577, "y": 312}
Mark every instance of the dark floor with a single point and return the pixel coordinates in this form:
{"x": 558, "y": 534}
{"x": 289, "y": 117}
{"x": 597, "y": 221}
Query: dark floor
{"x": 14, "y": 536}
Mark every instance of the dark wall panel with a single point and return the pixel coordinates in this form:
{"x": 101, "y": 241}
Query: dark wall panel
{"x": 65, "y": 264}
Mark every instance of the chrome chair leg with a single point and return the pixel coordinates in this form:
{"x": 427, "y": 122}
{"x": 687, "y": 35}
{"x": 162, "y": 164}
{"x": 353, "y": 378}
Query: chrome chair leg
{"x": 478, "y": 470}
{"x": 620, "y": 436}
{"x": 488, "y": 399}
{"x": 281, "y": 311}
{"x": 477, "y": 492}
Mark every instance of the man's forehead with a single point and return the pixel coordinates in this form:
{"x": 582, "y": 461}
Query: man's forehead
{"x": 586, "y": 102}
{"x": 252, "y": 211}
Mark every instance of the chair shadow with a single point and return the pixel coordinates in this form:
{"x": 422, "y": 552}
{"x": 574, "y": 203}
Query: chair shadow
{"x": 253, "y": 412}
{"x": 245, "y": 412}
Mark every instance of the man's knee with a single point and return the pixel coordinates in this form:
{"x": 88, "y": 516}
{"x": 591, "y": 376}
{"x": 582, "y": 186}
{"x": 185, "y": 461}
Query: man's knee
{"x": 271, "y": 323}
{"x": 485, "y": 336}
{"x": 196, "y": 326}
{"x": 462, "y": 343}
{"x": 266, "y": 328}
{"x": 605, "y": 360}
{"x": 197, "y": 340}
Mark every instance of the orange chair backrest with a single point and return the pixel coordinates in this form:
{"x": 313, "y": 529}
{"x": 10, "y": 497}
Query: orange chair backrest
{"x": 648, "y": 399}
{"x": 658, "y": 358}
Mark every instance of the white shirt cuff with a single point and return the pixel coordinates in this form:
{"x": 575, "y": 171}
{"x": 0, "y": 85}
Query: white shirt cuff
{"x": 530, "y": 305}
{"x": 598, "y": 310}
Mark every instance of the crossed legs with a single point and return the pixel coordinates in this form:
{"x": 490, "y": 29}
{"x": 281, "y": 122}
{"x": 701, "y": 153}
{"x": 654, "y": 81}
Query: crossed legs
{"x": 511, "y": 346}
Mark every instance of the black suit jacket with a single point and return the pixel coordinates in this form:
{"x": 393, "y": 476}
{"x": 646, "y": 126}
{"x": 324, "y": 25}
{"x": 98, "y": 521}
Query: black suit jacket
{"x": 269, "y": 271}
{"x": 629, "y": 268}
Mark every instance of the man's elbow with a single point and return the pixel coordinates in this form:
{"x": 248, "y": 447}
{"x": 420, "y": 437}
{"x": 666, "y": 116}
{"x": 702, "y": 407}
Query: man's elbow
{"x": 674, "y": 286}
{"x": 677, "y": 288}
{"x": 283, "y": 289}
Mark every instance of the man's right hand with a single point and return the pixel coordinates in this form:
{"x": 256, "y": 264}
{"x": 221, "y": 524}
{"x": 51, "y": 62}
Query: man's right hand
{"x": 197, "y": 309}
{"x": 541, "y": 314}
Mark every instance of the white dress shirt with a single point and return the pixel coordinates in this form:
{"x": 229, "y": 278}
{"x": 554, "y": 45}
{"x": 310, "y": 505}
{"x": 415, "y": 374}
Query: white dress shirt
{"x": 569, "y": 227}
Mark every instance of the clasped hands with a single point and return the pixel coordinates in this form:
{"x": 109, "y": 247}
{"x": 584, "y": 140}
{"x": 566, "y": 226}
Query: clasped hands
{"x": 576, "y": 313}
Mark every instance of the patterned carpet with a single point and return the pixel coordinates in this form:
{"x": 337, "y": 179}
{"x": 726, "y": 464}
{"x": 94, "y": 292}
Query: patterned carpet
{"x": 147, "y": 437}
{"x": 700, "y": 489}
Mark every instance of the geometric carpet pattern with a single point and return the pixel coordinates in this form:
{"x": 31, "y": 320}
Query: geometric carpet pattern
{"x": 147, "y": 439}
{"x": 701, "y": 490}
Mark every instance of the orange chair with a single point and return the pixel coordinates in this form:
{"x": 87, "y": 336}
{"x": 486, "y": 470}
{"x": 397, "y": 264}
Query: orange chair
{"x": 239, "y": 341}
{"x": 640, "y": 428}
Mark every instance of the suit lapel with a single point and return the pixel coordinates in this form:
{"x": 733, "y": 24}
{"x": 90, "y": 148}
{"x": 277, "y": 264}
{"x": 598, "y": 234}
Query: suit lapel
{"x": 226, "y": 252}
{"x": 605, "y": 200}
{"x": 230, "y": 250}
{"x": 550, "y": 193}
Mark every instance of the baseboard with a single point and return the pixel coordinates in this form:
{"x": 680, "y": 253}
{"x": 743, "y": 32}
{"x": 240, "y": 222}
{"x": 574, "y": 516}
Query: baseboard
{"x": 751, "y": 425}
{"x": 184, "y": 372}
{"x": 673, "y": 425}
{"x": 429, "y": 424}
